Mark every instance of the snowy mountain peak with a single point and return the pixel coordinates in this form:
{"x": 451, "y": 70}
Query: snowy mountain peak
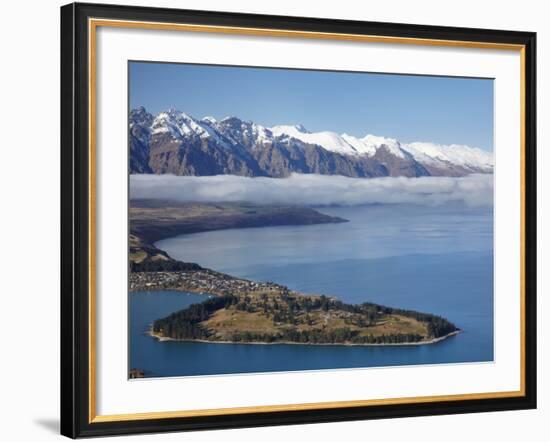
{"x": 391, "y": 144}
{"x": 209, "y": 119}
{"x": 289, "y": 129}
{"x": 231, "y": 119}
{"x": 371, "y": 155}
{"x": 181, "y": 126}
{"x": 177, "y": 123}
{"x": 441, "y": 155}
{"x": 327, "y": 140}
{"x": 343, "y": 144}
{"x": 141, "y": 117}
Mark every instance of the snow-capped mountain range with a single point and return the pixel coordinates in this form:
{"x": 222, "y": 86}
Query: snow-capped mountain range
{"x": 177, "y": 143}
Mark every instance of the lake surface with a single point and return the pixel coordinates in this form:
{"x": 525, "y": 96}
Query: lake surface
{"x": 432, "y": 259}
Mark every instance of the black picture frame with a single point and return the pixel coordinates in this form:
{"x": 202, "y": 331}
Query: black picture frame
{"x": 75, "y": 221}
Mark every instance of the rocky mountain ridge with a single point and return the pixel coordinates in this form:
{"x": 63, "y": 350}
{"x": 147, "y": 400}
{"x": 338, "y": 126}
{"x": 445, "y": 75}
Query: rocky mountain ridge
{"x": 174, "y": 142}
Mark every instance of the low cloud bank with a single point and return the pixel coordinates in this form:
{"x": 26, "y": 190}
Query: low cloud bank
{"x": 316, "y": 190}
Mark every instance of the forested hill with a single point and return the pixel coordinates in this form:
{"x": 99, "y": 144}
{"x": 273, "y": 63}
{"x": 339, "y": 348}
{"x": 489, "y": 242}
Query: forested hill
{"x": 278, "y": 315}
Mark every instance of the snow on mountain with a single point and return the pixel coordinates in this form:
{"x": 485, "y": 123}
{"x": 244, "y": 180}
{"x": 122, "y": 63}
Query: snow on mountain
{"x": 328, "y": 140}
{"x": 257, "y": 132}
{"x": 296, "y": 130}
{"x": 439, "y": 155}
{"x": 459, "y": 155}
{"x": 392, "y": 145}
{"x": 370, "y": 144}
{"x": 180, "y": 125}
{"x": 238, "y": 130}
{"x": 343, "y": 144}
{"x": 359, "y": 145}
{"x": 209, "y": 119}
{"x": 368, "y": 156}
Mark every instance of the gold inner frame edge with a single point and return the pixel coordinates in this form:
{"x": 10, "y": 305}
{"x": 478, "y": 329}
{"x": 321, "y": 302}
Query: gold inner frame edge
{"x": 93, "y": 24}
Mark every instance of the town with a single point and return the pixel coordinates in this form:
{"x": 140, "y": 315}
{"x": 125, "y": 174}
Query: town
{"x": 199, "y": 281}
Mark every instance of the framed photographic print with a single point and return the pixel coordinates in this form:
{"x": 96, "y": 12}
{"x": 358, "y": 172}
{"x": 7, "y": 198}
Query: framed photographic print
{"x": 278, "y": 220}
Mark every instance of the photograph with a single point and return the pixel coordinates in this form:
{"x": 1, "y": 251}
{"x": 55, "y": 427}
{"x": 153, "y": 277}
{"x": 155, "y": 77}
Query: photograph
{"x": 275, "y": 221}
{"x": 285, "y": 220}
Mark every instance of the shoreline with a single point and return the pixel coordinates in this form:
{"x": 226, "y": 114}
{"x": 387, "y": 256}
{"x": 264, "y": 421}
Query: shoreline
{"x": 211, "y": 283}
{"x": 189, "y": 291}
{"x": 160, "y": 338}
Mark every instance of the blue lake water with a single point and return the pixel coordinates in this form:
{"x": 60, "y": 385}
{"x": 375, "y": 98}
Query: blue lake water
{"x": 437, "y": 260}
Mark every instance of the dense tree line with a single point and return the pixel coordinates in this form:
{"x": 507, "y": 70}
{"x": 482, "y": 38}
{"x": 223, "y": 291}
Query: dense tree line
{"x": 318, "y": 336}
{"x": 162, "y": 265}
{"x": 186, "y": 324}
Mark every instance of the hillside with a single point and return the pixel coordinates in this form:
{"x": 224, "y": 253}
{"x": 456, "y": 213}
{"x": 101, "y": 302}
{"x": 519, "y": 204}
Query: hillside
{"x": 153, "y": 220}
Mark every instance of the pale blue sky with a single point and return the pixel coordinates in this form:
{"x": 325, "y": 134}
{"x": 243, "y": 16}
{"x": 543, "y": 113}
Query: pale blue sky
{"x": 409, "y": 108}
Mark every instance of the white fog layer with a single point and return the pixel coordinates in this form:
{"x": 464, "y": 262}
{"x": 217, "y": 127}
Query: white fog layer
{"x": 316, "y": 190}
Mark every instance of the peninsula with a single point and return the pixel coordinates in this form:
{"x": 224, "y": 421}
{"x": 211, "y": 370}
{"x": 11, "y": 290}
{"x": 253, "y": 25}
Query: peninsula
{"x": 271, "y": 313}
{"x": 153, "y": 220}
{"x": 244, "y": 311}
